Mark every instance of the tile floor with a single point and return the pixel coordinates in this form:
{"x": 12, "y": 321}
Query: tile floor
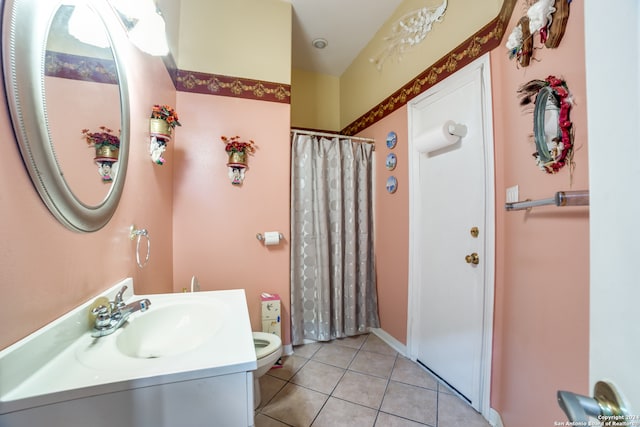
{"x": 357, "y": 382}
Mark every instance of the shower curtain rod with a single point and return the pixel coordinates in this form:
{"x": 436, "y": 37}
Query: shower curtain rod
{"x": 332, "y": 135}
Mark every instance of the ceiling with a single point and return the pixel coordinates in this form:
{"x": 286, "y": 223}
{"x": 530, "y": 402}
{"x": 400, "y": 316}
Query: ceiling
{"x": 347, "y": 25}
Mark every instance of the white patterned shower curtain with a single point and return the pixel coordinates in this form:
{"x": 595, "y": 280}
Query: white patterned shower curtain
{"x": 333, "y": 282}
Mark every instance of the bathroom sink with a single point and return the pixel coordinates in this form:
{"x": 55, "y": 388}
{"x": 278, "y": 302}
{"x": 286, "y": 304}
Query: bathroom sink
{"x": 177, "y": 330}
{"x": 169, "y": 330}
{"x": 62, "y": 375}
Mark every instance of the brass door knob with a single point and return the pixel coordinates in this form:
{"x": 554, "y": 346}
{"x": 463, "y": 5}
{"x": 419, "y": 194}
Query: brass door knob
{"x": 472, "y": 259}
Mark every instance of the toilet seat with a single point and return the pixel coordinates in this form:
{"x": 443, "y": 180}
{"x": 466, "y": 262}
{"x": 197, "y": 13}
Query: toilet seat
{"x": 266, "y": 344}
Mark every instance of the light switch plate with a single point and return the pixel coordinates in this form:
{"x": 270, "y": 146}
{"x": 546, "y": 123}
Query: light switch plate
{"x": 512, "y": 194}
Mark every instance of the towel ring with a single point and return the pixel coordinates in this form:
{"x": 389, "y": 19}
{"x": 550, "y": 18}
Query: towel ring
{"x": 133, "y": 232}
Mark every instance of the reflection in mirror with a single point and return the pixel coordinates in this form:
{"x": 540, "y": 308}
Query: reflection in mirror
{"x": 85, "y": 88}
{"x": 80, "y": 83}
{"x": 552, "y": 127}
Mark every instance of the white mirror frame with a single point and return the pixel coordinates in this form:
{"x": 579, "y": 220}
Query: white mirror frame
{"x": 25, "y": 25}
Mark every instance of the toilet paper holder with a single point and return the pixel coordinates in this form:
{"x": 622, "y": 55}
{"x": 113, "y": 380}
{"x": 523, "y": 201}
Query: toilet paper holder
{"x": 261, "y": 238}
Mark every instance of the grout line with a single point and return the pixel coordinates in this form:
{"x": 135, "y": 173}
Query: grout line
{"x": 330, "y": 395}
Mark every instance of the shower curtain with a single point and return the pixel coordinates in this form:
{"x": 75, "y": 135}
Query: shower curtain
{"x": 333, "y": 284}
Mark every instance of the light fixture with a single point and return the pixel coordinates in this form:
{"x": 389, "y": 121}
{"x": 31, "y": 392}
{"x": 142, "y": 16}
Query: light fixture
{"x": 319, "y": 43}
{"x": 145, "y": 25}
{"x": 86, "y": 26}
{"x": 149, "y": 35}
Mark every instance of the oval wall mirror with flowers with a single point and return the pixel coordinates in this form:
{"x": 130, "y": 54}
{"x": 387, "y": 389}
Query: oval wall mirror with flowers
{"x": 552, "y": 127}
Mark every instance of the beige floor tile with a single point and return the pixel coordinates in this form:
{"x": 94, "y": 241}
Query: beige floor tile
{"x": 361, "y": 389}
{"x": 351, "y": 342}
{"x": 379, "y": 365}
{"x": 453, "y": 412}
{"x": 376, "y": 345}
{"x": 290, "y": 365}
{"x": 338, "y": 413}
{"x": 335, "y": 355}
{"x": 269, "y": 386}
{"x": 318, "y": 376}
{"x": 264, "y": 421}
{"x": 307, "y": 350}
{"x": 415, "y": 403}
{"x": 443, "y": 388}
{"x": 388, "y": 420}
{"x": 295, "y": 405}
{"x": 363, "y": 375}
{"x": 408, "y": 372}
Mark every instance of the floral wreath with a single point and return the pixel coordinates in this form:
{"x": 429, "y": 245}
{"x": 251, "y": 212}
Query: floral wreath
{"x": 551, "y": 155}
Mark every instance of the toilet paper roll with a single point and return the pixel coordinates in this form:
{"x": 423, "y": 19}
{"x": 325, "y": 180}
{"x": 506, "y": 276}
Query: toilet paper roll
{"x": 439, "y": 137}
{"x": 271, "y": 238}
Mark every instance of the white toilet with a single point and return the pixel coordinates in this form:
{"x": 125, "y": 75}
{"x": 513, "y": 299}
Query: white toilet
{"x": 268, "y": 351}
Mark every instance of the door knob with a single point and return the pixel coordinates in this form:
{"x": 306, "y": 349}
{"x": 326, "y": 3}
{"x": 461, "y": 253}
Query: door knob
{"x": 605, "y": 403}
{"x": 472, "y": 259}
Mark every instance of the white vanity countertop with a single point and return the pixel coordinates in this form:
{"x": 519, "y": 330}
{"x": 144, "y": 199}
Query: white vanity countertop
{"x": 90, "y": 366}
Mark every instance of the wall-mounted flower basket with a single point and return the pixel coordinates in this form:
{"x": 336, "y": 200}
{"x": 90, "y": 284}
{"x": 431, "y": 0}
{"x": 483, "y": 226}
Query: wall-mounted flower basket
{"x": 161, "y": 124}
{"x": 237, "y": 159}
{"x": 107, "y": 153}
{"x": 159, "y": 128}
{"x": 107, "y": 146}
{"x": 238, "y": 152}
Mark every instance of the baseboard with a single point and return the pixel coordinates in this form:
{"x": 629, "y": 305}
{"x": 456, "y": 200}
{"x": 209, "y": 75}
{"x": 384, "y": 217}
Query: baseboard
{"x": 287, "y": 350}
{"x": 380, "y": 333}
{"x": 494, "y": 418}
{"x": 391, "y": 341}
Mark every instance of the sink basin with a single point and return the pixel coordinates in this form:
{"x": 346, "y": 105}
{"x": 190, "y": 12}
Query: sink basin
{"x": 177, "y": 330}
{"x": 169, "y": 330}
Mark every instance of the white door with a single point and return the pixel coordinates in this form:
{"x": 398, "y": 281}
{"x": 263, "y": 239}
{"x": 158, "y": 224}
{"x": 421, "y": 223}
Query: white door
{"x": 614, "y": 180}
{"x": 451, "y": 229}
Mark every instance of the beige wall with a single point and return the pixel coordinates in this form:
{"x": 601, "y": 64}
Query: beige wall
{"x": 362, "y": 86}
{"x": 240, "y": 38}
{"x": 171, "y": 12}
{"x": 315, "y": 101}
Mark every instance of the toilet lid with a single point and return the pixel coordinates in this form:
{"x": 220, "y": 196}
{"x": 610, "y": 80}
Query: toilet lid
{"x": 265, "y": 344}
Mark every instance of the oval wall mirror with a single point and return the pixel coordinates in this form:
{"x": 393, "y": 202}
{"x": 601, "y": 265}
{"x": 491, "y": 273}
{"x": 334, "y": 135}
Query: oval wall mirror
{"x": 57, "y": 86}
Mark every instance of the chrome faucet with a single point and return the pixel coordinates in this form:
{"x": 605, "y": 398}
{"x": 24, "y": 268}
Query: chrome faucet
{"x": 110, "y": 318}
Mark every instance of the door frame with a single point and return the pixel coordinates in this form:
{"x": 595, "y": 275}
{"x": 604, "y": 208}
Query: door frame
{"x": 481, "y": 65}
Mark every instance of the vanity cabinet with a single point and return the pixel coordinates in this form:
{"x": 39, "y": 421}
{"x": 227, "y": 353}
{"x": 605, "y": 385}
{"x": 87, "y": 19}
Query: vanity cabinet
{"x": 220, "y": 401}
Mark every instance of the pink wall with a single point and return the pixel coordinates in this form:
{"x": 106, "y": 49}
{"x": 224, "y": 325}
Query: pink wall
{"x": 542, "y": 257}
{"x": 214, "y": 222}
{"x": 80, "y": 99}
{"x": 46, "y": 269}
{"x": 392, "y": 225}
{"x": 542, "y": 281}
{"x": 541, "y": 309}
